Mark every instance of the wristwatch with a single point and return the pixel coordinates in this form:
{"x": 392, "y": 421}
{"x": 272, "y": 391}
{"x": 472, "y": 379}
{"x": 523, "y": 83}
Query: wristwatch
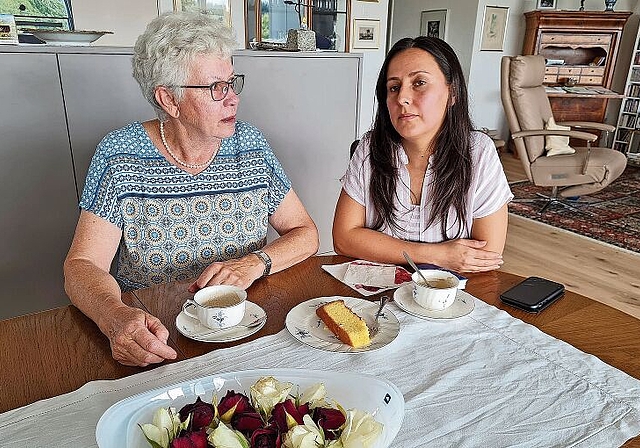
{"x": 265, "y": 259}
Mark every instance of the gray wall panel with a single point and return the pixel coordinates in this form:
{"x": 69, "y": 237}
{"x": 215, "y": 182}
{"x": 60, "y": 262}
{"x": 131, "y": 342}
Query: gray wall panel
{"x": 37, "y": 198}
{"x": 307, "y": 107}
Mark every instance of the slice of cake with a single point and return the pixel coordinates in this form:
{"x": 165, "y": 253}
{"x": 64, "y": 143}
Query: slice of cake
{"x": 344, "y": 323}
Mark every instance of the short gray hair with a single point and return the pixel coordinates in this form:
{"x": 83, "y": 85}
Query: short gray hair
{"x": 163, "y": 54}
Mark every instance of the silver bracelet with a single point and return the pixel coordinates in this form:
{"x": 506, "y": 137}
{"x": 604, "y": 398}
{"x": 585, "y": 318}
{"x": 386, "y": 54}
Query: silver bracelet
{"x": 265, "y": 259}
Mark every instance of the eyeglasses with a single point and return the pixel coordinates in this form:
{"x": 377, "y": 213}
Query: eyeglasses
{"x": 219, "y": 89}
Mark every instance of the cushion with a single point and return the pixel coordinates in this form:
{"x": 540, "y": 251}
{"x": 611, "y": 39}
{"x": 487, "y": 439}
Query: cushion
{"x": 555, "y": 144}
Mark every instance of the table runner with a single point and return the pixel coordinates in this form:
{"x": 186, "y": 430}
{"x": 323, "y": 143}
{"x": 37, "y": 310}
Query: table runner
{"x": 485, "y": 379}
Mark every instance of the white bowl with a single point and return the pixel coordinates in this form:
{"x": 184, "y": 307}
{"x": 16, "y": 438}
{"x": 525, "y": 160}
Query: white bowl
{"x": 118, "y": 426}
{"x": 66, "y": 37}
{"x": 441, "y": 291}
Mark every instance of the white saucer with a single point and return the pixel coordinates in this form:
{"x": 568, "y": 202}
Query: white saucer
{"x": 462, "y": 305}
{"x": 192, "y": 328}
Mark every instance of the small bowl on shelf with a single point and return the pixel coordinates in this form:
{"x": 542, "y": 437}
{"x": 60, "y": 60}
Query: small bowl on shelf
{"x": 67, "y": 37}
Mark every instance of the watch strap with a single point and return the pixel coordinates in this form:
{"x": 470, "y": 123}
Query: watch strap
{"x": 266, "y": 259}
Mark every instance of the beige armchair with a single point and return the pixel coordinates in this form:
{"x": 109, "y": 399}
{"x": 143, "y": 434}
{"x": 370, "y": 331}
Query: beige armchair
{"x": 527, "y": 109}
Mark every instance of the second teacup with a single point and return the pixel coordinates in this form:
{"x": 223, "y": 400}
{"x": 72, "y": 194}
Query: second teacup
{"x": 218, "y": 306}
{"x": 441, "y": 291}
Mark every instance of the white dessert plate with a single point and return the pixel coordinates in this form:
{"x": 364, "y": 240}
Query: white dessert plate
{"x": 118, "y": 426}
{"x": 461, "y": 306}
{"x": 304, "y": 324}
{"x": 193, "y": 329}
{"x": 66, "y": 37}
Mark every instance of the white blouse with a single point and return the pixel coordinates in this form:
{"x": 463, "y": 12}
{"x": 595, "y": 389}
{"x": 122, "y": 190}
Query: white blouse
{"x": 489, "y": 191}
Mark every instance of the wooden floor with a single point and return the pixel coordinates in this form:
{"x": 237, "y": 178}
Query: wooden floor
{"x": 600, "y": 271}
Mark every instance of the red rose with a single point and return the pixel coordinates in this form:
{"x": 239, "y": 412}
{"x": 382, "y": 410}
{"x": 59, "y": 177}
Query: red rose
{"x": 265, "y": 438}
{"x": 193, "y": 439}
{"x": 201, "y": 414}
{"x": 233, "y": 403}
{"x": 247, "y": 422}
{"x": 329, "y": 420}
{"x": 286, "y": 415}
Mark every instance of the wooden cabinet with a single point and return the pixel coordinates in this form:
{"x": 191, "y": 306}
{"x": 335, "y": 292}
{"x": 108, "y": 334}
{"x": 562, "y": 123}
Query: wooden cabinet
{"x": 578, "y": 45}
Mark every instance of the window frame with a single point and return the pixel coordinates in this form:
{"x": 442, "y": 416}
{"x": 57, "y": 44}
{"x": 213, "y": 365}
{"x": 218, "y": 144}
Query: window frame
{"x": 306, "y": 13}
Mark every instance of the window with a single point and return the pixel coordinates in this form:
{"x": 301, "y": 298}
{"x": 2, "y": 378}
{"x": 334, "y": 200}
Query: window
{"x": 218, "y": 8}
{"x": 273, "y": 20}
{"x": 49, "y": 14}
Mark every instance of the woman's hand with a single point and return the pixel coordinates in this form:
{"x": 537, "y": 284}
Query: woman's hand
{"x": 465, "y": 255}
{"x": 137, "y": 338}
{"x": 241, "y": 272}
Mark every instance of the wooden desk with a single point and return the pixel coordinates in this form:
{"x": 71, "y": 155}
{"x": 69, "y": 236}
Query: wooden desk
{"x": 54, "y": 352}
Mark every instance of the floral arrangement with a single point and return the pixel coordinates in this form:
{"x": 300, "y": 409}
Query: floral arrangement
{"x": 271, "y": 417}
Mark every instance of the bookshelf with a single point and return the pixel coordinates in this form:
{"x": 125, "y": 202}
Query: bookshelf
{"x": 628, "y": 123}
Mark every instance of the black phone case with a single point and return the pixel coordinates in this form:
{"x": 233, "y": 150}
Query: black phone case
{"x": 533, "y": 294}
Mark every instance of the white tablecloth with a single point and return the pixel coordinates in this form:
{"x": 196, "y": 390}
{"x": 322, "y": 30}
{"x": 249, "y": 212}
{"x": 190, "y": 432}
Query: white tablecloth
{"x": 485, "y": 379}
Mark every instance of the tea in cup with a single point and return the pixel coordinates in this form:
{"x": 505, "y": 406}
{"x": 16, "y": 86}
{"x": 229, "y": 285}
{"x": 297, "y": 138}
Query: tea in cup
{"x": 439, "y": 293}
{"x": 218, "y": 306}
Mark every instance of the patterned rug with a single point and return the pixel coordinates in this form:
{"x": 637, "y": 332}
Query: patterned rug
{"x": 615, "y": 209}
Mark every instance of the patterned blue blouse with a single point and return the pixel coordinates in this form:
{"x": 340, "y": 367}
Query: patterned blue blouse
{"x": 174, "y": 224}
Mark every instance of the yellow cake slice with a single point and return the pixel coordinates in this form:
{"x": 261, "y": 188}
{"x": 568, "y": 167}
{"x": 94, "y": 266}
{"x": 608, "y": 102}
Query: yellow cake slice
{"x": 344, "y": 323}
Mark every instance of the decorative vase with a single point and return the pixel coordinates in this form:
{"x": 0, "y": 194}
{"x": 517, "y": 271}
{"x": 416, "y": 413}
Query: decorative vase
{"x": 609, "y": 4}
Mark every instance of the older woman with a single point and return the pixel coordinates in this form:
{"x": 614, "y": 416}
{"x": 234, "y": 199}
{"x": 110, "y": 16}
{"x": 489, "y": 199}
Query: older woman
{"x": 187, "y": 195}
{"x": 422, "y": 181}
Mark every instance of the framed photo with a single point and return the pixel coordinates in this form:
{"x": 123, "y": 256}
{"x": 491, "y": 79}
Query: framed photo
{"x": 366, "y": 34}
{"x": 546, "y": 4}
{"x": 433, "y": 23}
{"x": 494, "y": 28}
{"x": 8, "y": 31}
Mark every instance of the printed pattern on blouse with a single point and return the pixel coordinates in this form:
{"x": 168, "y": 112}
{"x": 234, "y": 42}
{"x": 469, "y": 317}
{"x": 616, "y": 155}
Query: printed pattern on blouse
{"x": 488, "y": 193}
{"x": 174, "y": 224}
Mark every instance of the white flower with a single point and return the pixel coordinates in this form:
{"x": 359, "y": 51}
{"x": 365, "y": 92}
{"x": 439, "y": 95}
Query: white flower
{"x": 360, "y": 430}
{"x": 304, "y": 436}
{"x": 225, "y": 437}
{"x": 314, "y": 395}
{"x": 267, "y": 392}
{"x": 165, "y": 427}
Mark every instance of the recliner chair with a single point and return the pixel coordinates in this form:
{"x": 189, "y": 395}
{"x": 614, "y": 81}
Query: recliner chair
{"x": 527, "y": 108}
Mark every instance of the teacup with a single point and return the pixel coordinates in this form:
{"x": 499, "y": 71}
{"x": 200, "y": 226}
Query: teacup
{"x": 441, "y": 291}
{"x": 218, "y": 306}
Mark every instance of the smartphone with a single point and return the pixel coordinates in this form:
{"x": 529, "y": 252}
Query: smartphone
{"x": 533, "y": 294}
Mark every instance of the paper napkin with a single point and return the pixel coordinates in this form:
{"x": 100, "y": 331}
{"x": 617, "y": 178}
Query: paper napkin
{"x": 367, "y": 277}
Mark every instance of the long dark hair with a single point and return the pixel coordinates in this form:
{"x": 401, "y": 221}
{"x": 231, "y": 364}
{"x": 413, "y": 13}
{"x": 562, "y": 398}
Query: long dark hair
{"x": 451, "y": 160}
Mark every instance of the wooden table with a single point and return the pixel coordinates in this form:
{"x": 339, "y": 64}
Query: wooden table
{"x": 54, "y": 352}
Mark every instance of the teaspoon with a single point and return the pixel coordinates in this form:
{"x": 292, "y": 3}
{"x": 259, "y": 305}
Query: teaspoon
{"x": 415, "y": 268}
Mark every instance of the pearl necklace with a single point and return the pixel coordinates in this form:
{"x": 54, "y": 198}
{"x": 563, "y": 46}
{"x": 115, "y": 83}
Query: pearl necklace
{"x": 192, "y": 166}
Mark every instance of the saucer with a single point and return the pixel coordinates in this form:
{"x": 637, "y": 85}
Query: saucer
{"x": 192, "y": 328}
{"x": 462, "y": 305}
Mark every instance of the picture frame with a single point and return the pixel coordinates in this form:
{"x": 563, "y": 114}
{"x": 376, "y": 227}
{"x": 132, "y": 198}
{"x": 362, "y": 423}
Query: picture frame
{"x": 366, "y": 34}
{"x": 8, "y": 30}
{"x": 546, "y": 4}
{"x": 494, "y": 28}
{"x": 433, "y": 23}
{"x": 370, "y": 1}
